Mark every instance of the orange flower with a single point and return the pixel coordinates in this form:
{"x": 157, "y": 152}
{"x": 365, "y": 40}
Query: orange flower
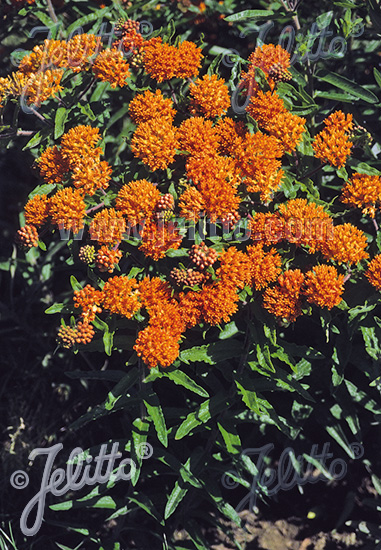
{"x": 265, "y": 267}
{"x": 107, "y": 259}
{"x": 13, "y": 85}
{"x": 373, "y": 273}
{"x": 229, "y": 133}
{"x": 306, "y": 224}
{"x": 270, "y": 113}
{"x": 191, "y": 204}
{"x": 219, "y": 302}
{"x": 347, "y": 245}
{"x": 257, "y": 158}
{"x": 120, "y": 296}
{"x": 217, "y": 180}
{"x": 267, "y": 228}
{"x": 89, "y": 300}
{"x": 363, "y": 191}
{"x": 50, "y": 53}
{"x": 52, "y": 166}
{"x": 27, "y": 237}
{"x": 157, "y": 346}
{"x": 80, "y": 49}
{"x": 284, "y": 300}
{"x": 190, "y": 305}
{"x": 324, "y": 286}
{"x": 265, "y": 57}
{"x": 197, "y": 136}
{"x": 67, "y": 209}
{"x": 150, "y": 105}
{"x": 42, "y": 85}
{"x": 154, "y": 291}
{"x": 107, "y": 226}
{"x": 234, "y": 268}
{"x": 155, "y": 143}
{"x": 210, "y": 96}
{"x": 166, "y": 315}
{"x": 158, "y": 238}
{"x": 79, "y": 143}
{"x": 36, "y": 210}
{"x": 160, "y": 59}
{"x": 90, "y": 175}
{"x": 137, "y": 200}
{"x": 110, "y": 66}
{"x": 188, "y": 60}
{"x": 333, "y": 145}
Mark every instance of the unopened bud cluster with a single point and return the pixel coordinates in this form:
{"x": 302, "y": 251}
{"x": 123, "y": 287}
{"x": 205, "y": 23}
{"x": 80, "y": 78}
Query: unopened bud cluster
{"x": 27, "y": 237}
{"x": 83, "y": 333}
{"x": 187, "y": 277}
{"x": 278, "y": 73}
{"x": 202, "y": 256}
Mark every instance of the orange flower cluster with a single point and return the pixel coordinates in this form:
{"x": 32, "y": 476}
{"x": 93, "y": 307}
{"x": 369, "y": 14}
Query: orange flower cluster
{"x": 79, "y": 155}
{"x": 163, "y": 62}
{"x": 269, "y": 111}
{"x": 89, "y": 300}
{"x": 363, "y": 191}
{"x": 347, "y": 245}
{"x": 264, "y": 57}
{"x": 324, "y": 287}
{"x": 67, "y": 209}
{"x": 148, "y": 105}
{"x": 333, "y": 145}
{"x": 158, "y": 238}
{"x": 155, "y": 143}
{"x": 120, "y": 296}
{"x": 110, "y": 66}
{"x": 373, "y": 273}
{"x": 210, "y": 96}
{"x": 107, "y": 226}
{"x": 36, "y": 210}
{"x": 265, "y": 267}
{"x": 285, "y": 299}
{"x": 258, "y": 157}
{"x": 137, "y": 201}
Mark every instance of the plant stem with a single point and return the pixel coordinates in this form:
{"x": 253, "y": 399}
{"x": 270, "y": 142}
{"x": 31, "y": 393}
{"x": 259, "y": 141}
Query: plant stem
{"x": 309, "y": 174}
{"x": 94, "y": 208}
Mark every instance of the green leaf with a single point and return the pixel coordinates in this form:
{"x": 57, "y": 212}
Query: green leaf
{"x": 59, "y": 122}
{"x": 176, "y": 496}
{"x": 55, "y": 308}
{"x": 156, "y": 414}
{"x": 230, "y": 436}
{"x": 147, "y": 505}
{"x": 75, "y": 284}
{"x": 179, "y": 377}
{"x": 347, "y": 85}
{"x": 249, "y": 398}
{"x": 108, "y": 341}
{"x": 201, "y": 415}
{"x": 250, "y": 14}
{"x": 43, "y": 189}
{"x": 212, "y": 353}
{"x": 377, "y": 76}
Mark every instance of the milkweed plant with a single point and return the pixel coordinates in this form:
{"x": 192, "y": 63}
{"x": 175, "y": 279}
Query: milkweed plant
{"x": 207, "y": 217}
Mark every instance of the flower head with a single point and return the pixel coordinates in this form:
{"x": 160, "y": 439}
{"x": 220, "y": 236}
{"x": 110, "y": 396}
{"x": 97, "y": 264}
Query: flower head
{"x": 110, "y": 66}
{"x": 120, "y": 296}
{"x": 52, "y": 166}
{"x": 90, "y": 175}
{"x": 155, "y": 143}
{"x": 333, "y": 144}
{"x": 363, "y": 191}
{"x": 158, "y": 238}
{"x": 234, "y": 268}
{"x": 67, "y": 209}
{"x": 191, "y": 204}
{"x": 107, "y": 226}
{"x": 160, "y": 59}
{"x": 89, "y": 300}
{"x": 153, "y": 291}
{"x": 36, "y": 210}
{"x": 79, "y": 143}
{"x": 229, "y": 133}
{"x": 284, "y": 299}
{"x": 156, "y": 346}
{"x": 324, "y": 286}
{"x": 373, "y": 273}
{"x": 188, "y": 60}
{"x": 265, "y": 57}
{"x": 219, "y": 302}
{"x": 197, "y": 136}
{"x": 347, "y": 245}
{"x": 137, "y": 200}
{"x": 150, "y": 105}
{"x": 210, "y": 96}
{"x": 80, "y": 49}
{"x": 265, "y": 267}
